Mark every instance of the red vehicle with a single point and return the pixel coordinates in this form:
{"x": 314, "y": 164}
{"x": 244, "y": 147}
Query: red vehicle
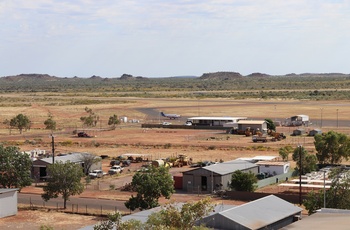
{"x": 83, "y": 134}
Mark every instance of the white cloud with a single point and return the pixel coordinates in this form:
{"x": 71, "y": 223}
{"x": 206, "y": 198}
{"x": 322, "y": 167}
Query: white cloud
{"x": 185, "y": 36}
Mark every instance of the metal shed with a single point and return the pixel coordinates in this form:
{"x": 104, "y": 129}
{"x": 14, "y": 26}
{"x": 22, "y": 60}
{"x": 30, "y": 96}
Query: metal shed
{"x": 269, "y": 212}
{"x": 314, "y": 132}
{"x": 298, "y": 132}
{"x": 214, "y": 177}
{"x": 39, "y": 166}
{"x": 252, "y": 124}
{"x": 8, "y": 202}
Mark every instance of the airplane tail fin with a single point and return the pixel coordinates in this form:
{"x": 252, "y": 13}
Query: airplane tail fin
{"x": 161, "y": 113}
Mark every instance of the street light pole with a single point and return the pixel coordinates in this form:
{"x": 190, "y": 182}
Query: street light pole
{"x": 337, "y": 119}
{"x": 300, "y": 170}
{"x": 324, "y": 188}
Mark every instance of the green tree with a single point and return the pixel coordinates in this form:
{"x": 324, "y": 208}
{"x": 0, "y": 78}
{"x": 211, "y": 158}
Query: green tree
{"x": 113, "y": 222}
{"x": 14, "y": 168}
{"x": 270, "y": 124}
{"x": 65, "y": 179}
{"x": 171, "y": 217}
{"x": 332, "y": 147}
{"x": 242, "y": 181}
{"x": 285, "y": 151}
{"x": 91, "y": 120}
{"x": 132, "y": 225}
{"x": 308, "y": 162}
{"x": 89, "y": 159}
{"x": 20, "y": 122}
{"x": 113, "y": 120}
{"x": 150, "y": 185}
{"x": 313, "y": 201}
{"x": 50, "y": 123}
{"x": 338, "y": 196}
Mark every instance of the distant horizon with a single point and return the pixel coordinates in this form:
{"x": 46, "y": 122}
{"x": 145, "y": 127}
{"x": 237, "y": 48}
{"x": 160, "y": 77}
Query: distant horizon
{"x": 182, "y": 76}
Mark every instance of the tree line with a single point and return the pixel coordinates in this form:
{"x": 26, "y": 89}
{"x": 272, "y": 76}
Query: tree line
{"x": 21, "y": 122}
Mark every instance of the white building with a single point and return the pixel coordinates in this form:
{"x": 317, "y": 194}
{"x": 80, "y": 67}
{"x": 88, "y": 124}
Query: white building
{"x": 273, "y": 167}
{"x": 8, "y": 202}
{"x": 297, "y": 120}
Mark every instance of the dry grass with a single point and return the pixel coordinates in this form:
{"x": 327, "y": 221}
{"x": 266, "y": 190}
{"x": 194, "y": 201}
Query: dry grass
{"x": 158, "y": 143}
{"x": 195, "y": 143}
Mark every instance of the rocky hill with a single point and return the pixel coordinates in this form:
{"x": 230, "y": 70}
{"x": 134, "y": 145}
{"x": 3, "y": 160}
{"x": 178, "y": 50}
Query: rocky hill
{"x": 208, "y": 81}
{"x": 221, "y": 76}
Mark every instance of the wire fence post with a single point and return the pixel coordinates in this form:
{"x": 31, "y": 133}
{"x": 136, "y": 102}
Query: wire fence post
{"x": 30, "y": 201}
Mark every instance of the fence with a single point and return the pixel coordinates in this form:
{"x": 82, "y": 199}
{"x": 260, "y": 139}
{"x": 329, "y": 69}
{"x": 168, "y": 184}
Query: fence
{"x": 74, "y": 208}
{"x": 250, "y": 196}
{"x": 275, "y": 179}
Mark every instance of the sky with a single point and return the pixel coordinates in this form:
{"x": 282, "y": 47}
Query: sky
{"x": 164, "y": 38}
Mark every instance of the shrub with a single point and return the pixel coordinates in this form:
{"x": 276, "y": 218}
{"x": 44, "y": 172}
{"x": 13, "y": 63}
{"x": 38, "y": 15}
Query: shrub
{"x": 67, "y": 143}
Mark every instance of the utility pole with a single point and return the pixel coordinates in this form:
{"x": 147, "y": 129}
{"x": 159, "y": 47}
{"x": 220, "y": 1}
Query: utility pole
{"x": 300, "y": 170}
{"x": 53, "y": 148}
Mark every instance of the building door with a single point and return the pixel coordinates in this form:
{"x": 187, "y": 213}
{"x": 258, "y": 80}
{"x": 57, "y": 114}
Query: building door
{"x": 204, "y": 183}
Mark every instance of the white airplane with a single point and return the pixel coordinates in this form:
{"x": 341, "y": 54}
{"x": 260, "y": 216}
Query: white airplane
{"x": 171, "y": 116}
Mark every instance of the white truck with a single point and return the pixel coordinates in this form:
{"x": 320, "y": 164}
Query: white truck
{"x": 115, "y": 169}
{"x": 97, "y": 173}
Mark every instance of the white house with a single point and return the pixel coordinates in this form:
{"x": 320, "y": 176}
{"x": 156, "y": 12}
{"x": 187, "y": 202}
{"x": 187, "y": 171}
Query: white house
{"x": 8, "y": 202}
{"x": 273, "y": 167}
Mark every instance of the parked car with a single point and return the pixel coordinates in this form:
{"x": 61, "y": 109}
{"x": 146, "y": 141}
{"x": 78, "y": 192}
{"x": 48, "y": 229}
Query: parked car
{"x": 83, "y": 134}
{"x": 114, "y": 162}
{"x": 97, "y": 173}
{"x": 126, "y": 163}
{"x": 115, "y": 169}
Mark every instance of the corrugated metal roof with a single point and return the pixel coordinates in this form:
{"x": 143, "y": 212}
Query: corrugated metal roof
{"x": 227, "y": 167}
{"x": 216, "y": 118}
{"x": 143, "y": 215}
{"x": 337, "y": 219}
{"x": 253, "y": 122}
{"x": 73, "y": 157}
{"x": 253, "y": 215}
{"x": 303, "y": 116}
{"x": 272, "y": 163}
{"x": 6, "y": 190}
{"x": 262, "y": 212}
{"x": 259, "y": 158}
